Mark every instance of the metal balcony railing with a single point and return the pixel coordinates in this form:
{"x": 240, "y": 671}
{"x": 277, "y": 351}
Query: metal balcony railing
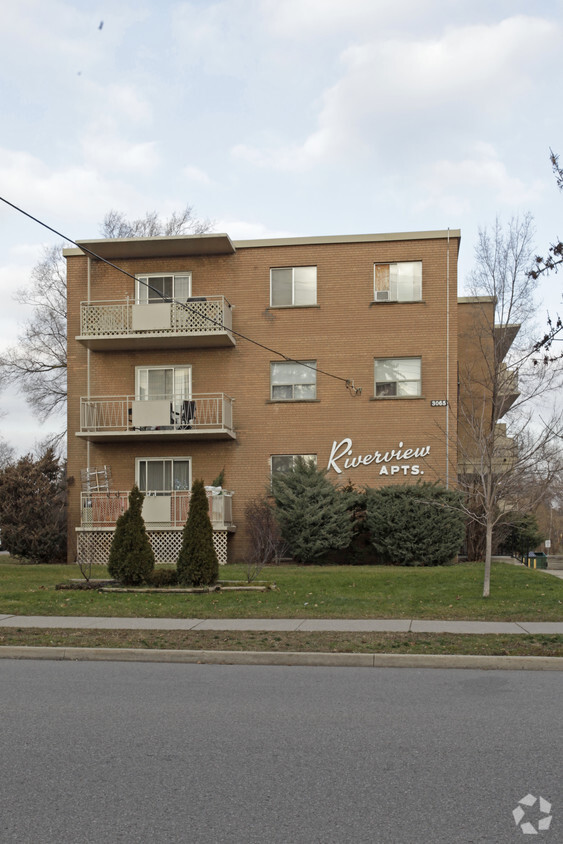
{"x": 130, "y": 414}
{"x": 161, "y": 509}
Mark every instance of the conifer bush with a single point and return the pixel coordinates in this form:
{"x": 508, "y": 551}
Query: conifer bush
{"x": 33, "y": 508}
{"x": 415, "y": 525}
{"x": 197, "y": 561}
{"x": 312, "y": 513}
{"x": 131, "y": 558}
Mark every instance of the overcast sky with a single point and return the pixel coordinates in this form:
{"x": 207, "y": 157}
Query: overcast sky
{"x": 275, "y": 117}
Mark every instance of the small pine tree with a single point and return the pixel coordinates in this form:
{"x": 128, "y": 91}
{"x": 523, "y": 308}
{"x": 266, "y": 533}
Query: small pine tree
{"x": 415, "y": 525}
{"x": 197, "y": 561}
{"x": 131, "y": 558}
{"x": 312, "y": 513}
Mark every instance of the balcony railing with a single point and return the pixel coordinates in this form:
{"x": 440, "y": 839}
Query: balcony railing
{"x": 124, "y": 324}
{"x": 162, "y": 509}
{"x": 203, "y": 415}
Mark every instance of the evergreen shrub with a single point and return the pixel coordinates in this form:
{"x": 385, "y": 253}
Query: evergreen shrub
{"x": 131, "y": 558}
{"x": 523, "y": 534}
{"x": 415, "y": 525}
{"x": 313, "y": 515}
{"x": 197, "y": 561}
{"x": 160, "y": 578}
{"x": 33, "y": 508}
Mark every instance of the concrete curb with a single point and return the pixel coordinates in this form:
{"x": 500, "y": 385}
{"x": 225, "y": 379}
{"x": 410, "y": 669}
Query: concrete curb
{"x": 514, "y": 663}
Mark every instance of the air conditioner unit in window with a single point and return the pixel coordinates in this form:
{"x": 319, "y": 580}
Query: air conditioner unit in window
{"x": 382, "y": 296}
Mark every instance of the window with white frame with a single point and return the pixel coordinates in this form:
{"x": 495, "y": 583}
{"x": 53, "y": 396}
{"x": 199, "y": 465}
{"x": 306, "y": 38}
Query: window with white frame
{"x": 161, "y": 475}
{"x": 293, "y": 380}
{"x": 399, "y": 282}
{"x": 397, "y": 377}
{"x": 286, "y": 462}
{"x": 163, "y": 287}
{"x": 163, "y": 382}
{"x": 293, "y": 286}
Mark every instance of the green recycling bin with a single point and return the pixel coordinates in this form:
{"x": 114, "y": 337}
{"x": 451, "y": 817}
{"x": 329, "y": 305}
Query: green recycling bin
{"x": 537, "y": 560}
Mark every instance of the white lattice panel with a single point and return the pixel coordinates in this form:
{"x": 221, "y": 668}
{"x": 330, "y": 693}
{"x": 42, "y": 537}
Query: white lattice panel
{"x": 94, "y": 546}
{"x": 220, "y": 544}
{"x": 166, "y": 545}
{"x": 100, "y": 320}
{"x": 196, "y": 317}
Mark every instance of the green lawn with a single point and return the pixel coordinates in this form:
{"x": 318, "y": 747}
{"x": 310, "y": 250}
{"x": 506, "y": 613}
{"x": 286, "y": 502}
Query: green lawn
{"x": 450, "y": 592}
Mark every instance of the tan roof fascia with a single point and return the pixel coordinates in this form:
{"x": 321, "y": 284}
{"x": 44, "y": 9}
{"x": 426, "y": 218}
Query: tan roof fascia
{"x": 476, "y": 300}
{"x": 220, "y": 243}
{"x": 452, "y": 234}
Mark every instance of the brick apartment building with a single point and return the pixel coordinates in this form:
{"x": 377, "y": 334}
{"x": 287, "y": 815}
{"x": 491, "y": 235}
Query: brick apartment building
{"x": 166, "y": 385}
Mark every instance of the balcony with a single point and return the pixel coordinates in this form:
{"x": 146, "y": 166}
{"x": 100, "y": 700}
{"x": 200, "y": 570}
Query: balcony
{"x": 204, "y": 416}
{"x": 161, "y": 510}
{"x": 507, "y": 390}
{"x": 204, "y": 321}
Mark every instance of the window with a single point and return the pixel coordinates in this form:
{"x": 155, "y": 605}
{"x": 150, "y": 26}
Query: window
{"x": 158, "y": 288}
{"x": 293, "y": 380}
{"x": 169, "y": 385}
{"x": 163, "y": 382}
{"x": 397, "y": 377}
{"x": 286, "y": 462}
{"x": 293, "y": 286}
{"x": 401, "y": 282}
{"x": 163, "y": 475}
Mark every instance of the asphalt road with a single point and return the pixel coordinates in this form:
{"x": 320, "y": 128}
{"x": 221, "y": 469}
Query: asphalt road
{"x": 110, "y": 752}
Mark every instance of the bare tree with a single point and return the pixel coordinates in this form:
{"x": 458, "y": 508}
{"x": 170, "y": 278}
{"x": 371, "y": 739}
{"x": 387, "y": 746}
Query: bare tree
{"x": 509, "y": 465}
{"x": 554, "y": 257}
{"x": 37, "y": 362}
{"x": 6, "y": 454}
{"x": 266, "y": 543}
{"x": 116, "y": 224}
{"x": 550, "y": 263}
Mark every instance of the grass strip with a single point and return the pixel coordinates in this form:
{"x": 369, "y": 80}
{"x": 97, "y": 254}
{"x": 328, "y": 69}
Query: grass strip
{"x": 443, "y": 592}
{"x": 415, "y": 643}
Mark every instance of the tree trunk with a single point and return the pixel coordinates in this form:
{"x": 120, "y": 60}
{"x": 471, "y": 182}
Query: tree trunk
{"x": 488, "y": 555}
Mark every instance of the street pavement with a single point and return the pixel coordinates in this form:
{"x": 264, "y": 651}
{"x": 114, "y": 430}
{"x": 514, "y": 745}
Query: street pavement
{"x": 121, "y": 753}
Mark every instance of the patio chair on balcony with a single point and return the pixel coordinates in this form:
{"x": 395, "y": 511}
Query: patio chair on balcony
{"x": 188, "y": 414}
{"x": 186, "y": 417}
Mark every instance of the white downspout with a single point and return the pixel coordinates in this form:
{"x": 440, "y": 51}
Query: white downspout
{"x": 448, "y": 362}
{"x": 89, "y": 264}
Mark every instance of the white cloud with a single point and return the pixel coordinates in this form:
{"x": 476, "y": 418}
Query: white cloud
{"x": 315, "y": 19}
{"x": 452, "y": 184}
{"x": 215, "y": 37}
{"x": 248, "y": 230}
{"x": 391, "y": 87}
{"x": 196, "y": 174}
{"x": 73, "y": 192}
{"x": 109, "y": 153}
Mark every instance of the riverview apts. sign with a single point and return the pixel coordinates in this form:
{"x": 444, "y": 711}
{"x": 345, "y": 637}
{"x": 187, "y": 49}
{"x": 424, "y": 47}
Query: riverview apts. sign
{"x": 398, "y": 461}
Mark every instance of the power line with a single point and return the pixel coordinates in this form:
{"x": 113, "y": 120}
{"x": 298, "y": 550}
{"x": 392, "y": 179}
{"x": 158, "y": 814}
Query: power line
{"x": 184, "y": 305}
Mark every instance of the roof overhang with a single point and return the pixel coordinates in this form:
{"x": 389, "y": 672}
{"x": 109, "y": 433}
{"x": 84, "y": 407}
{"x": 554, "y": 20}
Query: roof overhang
{"x": 154, "y": 247}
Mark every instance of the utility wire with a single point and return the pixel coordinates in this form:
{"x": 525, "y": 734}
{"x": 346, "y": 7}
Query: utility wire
{"x": 184, "y": 305}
